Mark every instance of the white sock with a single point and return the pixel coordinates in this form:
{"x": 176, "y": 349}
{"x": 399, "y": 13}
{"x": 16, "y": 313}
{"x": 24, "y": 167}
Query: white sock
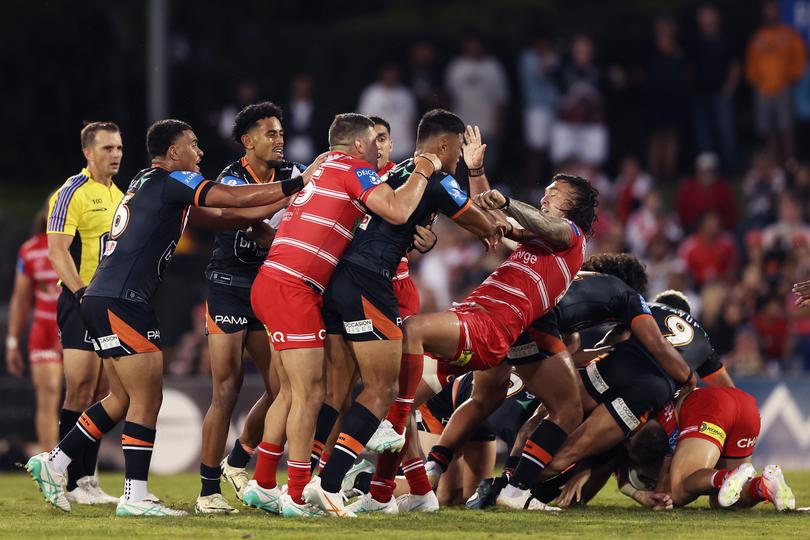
{"x": 513, "y": 491}
{"x": 135, "y": 490}
{"x": 58, "y": 460}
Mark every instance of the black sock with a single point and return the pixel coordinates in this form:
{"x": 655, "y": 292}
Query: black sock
{"x": 362, "y": 482}
{"x": 209, "y": 476}
{"x": 327, "y": 417}
{"x": 358, "y": 427}
{"x": 137, "y": 441}
{"x": 89, "y": 428}
{"x": 510, "y": 465}
{"x": 239, "y": 456}
{"x": 67, "y": 420}
{"x": 90, "y": 458}
{"x": 538, "y": 452}
{"x": 441, "y": 455}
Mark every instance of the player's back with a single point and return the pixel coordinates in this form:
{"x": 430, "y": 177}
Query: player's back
{"x": 594, "y": 299}
{"x": 530, "y": 282}
{"x": 145, "y": 231}
{"x": 318, "y": 225}
{"x": 379, "y": 245}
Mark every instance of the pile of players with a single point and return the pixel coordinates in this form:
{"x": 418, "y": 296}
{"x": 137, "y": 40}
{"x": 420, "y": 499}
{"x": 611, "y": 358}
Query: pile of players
{"x": 312, "y": 262}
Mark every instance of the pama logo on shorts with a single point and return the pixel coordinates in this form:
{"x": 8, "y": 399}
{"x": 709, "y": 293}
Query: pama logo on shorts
{"x": 153, "y": 335}
{"x": 463, "y": 358}
{"x": 230, "y": 319}
{"x": 358, "y": 327}
{"x": 713, "y": 430}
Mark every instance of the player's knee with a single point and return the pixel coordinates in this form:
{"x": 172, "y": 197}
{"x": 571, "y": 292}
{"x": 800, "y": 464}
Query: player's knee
{"x": 413, "y": 329}
{"x": 226, "y": 391}
{"x": 79, "y": 398}
{"x": 568, "y": 417}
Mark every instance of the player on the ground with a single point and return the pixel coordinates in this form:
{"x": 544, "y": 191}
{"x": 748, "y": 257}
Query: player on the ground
{"x": 36, "y": 279}
{"x": 116, "y": 306}
{"x": 715, "y": 430}
{"x": 360, "y": 306}
{"x": 315, "y": 231}
{"x": 79, "y": 216}
{"x": 231, "y": 324}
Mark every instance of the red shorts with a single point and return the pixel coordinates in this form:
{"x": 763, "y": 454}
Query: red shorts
{"x": 407, "y": 297}
{"x": 727, "y": 417}
{"x": 438, "y": 374}
{"x": 290, "y": 311}
{"x": 483, "y": 343}
{"x": 43, "y": 342}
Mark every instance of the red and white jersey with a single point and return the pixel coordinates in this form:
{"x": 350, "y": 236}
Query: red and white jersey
{"x": 402, "y": 269}
{"x": 33, "y": 262}
{"x": 387, "y": 167}
{"x": 530, "y": 282}
{"x": 318, "y": 225}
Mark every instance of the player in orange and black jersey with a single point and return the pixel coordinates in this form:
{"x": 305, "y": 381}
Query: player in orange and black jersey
{"x": 117, "y": 311}
{"x": 231, "y": 325}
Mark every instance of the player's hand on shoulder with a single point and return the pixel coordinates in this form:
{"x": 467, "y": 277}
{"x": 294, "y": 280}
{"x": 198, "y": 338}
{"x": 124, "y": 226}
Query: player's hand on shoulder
{"x": 490, "y": 200}
{"x": 309, "y": 171}
{"x": 424, "y": 239}
{"x": 472, "y": 149}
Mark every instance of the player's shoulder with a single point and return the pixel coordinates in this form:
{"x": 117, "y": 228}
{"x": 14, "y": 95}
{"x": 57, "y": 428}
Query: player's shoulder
{"x": 30, "y": 244}
{"x": 191, "y": 179}
{"x": 73, "y": 183}
{"x": 234, "y": 174}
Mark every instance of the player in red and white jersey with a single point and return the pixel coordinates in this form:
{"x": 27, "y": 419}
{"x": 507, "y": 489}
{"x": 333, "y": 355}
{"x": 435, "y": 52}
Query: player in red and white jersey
{"x": 37, "y": 279}
{"x": 287, "y": 294}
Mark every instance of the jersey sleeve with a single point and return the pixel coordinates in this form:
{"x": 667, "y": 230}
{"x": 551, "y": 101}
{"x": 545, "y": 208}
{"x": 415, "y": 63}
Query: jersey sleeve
{"x": 229, "y": 180}
{"x": 361, "y": 181}
{"x": 23, "y": 268}
{"x": 632, "y": 306}
{"x": 186, "y": 187}
{"x": 711, "y": 366}
{"x": 449, "y": 198}
{"x": 666, "y": 417}
{"x": 64, "y": 211}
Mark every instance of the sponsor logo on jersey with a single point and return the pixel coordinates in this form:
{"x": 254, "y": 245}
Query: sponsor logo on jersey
{"x": 358, "y": 327}
{"x": 189, "y": 178}
{"x": 454, "y": 190}
{"x": 230, "y": 319}
{"x": 748, "y": 442}
{"x": 368, "y": 177}
{"x": 714, "y": 431}
{"x": 644, "y": 306}
{"x": 107, "y": 342}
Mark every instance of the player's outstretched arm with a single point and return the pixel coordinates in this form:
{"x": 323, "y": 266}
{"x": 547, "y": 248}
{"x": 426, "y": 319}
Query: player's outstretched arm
{"x": 556, "y": 231}
{"x": 646, "y": 330}
{"x": 226, "y": 219}
{"x": 481, "y": 225}
{"x": 396, "y": 206}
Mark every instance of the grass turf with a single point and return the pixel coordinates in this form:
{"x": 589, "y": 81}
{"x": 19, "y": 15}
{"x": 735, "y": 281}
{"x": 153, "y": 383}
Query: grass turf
{"x": 24, "y": 514}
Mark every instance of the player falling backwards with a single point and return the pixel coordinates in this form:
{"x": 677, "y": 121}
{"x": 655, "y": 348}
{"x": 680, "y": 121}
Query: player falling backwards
{"x": 117, "y": 305}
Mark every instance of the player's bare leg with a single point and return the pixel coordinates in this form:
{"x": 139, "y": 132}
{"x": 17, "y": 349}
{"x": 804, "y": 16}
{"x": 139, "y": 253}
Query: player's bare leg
{"x": 479, "y": 460}
{"x": 692, "y": 470}
{"x": 47, "y": 379}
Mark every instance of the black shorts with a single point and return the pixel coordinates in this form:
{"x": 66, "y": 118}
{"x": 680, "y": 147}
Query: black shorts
{"x": 629, "y": 383}
{"x": 360, "y": 305}
{"x": 72, "y": 332}
{"x": 228, "y": 309}
{"x": 120, "y": 327}
{"x": 434, "y": 415}
{"x": 540, "y": 341}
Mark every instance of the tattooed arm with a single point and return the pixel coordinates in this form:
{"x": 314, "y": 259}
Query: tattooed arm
{"x": 536, "y": 224}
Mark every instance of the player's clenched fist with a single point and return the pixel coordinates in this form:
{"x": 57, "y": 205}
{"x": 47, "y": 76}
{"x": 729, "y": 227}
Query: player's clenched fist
{"x": 491, "y": 200}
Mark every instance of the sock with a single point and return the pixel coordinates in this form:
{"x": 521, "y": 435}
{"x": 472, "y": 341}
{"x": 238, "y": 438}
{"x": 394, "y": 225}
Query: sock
{"x": 327, "y": 417}
{"x": 410, "y": 373}
{"x": 538, "y": 452}
{"x": 267, "y": 460}
{"x": 719, "y": 477}
{"x": 509, "y": 466}
{"x": 90, "y": 459}
{"x": 362, "y": 482}
{"x": 137, "y": 441}
{"x": 384, "y": 481}
{"x": 87, "y": 430}
{"x": 358, "y": 427}
{"x": 441, "y": 455}
{"x": 322, "y": 461}
{"x": 416, "y": 476}
{"x": 240, "y": 455}
{"x": 299, "y": 477}
{"x": 757, "y": 489}
{"x": 209, "y": 476}
{"x": 68, "y": 419}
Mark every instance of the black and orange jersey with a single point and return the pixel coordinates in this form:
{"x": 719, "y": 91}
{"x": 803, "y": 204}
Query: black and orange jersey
{"x": 145, "y": 231}
{"x": 234, "y": 253}
{"x": 84, "y": 209}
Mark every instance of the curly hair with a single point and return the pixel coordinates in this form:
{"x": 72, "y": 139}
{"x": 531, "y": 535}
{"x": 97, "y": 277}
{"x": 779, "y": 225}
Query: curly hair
{"x": 622, "y": 265}
{"x": 674, "y": 299}
{"x": 250, "y": 115}
{"x": 583, "y": 213}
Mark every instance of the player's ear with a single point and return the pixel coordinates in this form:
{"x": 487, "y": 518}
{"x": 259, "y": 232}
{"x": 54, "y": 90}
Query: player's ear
{"x": 247, "y": 141}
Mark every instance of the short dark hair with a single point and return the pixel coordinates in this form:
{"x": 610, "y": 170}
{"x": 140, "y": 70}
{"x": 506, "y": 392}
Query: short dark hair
{"x": 88, "y": 135}
{"x": 650, "y": 444}
{"x": 436, "y": 122}
{"x": 381, "y": 122}
{"x": 346, "y": 127}
{"x": 583, "y": 213}
{"x": 162, "y": 134}
{"x": 674, "y": 299}
{"x": 250, "y": 116}
{"x": 624, "y": 266}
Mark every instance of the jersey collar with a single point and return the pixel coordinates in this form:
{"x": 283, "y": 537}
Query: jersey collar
{"x": 252, "y": 173}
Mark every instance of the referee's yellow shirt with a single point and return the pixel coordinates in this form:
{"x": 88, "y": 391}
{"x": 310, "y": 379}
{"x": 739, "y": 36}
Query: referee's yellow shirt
{"x": 84, "y": 209}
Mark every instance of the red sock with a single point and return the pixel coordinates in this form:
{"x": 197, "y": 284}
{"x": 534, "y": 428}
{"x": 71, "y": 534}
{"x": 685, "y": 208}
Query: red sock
{"x": 410, "y": 373}
{"x": 269, "y": 455}
{"x": 384, "y": 479}
{"x": 298, "y": 473}
{"x": 757, "y": 489}
{"x": 323, "y": 460}
{"x": 417, "y": 477}
{"x": 719, "y": 477}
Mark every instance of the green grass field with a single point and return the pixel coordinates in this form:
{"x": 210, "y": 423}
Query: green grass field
{"x": 24, "y": 514}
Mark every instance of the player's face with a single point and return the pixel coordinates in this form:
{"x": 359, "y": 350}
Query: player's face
{"x": 106, "y": 153}
{"x": 385, "y": 143}
{"x": 186, "y": 152}
{"x": 450, "y": 152}
{"x": 367, "y": 146}
{"x": 558, "y": 200}
{"x": 266, "y": 139}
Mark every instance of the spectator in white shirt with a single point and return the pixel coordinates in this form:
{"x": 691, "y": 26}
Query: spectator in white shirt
{"x": 388, "y": 98}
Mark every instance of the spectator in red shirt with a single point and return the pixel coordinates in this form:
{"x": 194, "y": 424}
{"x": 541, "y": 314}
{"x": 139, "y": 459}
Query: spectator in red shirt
{"x": 772, "y": 328}
{"x": 709, "y": 254}
{"x": 707, "y": 191}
